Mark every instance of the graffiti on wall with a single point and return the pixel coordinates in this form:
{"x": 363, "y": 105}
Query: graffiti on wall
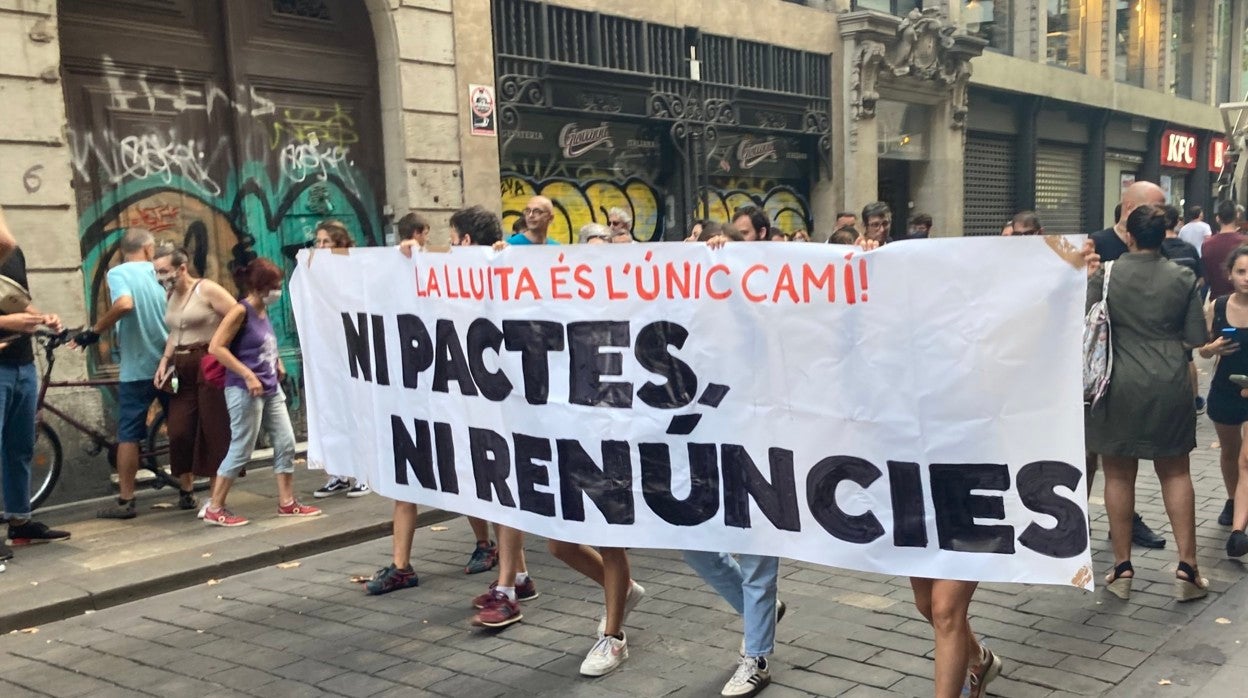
{"x": 585, "y": 199}
{"x": 241, "y": 176}
{"x": 788, "y": 209}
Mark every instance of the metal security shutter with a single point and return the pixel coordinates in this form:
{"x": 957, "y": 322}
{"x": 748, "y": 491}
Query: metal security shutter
{"x": 988, "y": 184}
{"x": 1060, "y": 189}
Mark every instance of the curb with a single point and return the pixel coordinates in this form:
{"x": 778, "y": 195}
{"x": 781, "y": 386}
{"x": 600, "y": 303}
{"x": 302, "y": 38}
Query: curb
{"x": 63, "y": 608}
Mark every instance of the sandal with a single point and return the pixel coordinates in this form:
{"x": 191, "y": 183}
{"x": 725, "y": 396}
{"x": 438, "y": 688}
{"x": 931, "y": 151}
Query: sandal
{"x": 1191, "y": 586}
{"x": 1119, "y": 585}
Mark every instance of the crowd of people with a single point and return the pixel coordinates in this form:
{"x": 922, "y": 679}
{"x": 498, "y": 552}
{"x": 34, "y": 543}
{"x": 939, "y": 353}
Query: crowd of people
{"x": 1172, "y": 285}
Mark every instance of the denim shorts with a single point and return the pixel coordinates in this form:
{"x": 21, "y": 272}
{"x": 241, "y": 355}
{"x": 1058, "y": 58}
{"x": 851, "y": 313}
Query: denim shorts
{"x": 133, "y": 400}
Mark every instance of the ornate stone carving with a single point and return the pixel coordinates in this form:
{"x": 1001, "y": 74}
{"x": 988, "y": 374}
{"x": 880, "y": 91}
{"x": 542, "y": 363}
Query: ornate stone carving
{"x": 927, "y": 48}
{"x": 771, "y": 119}
{"x": 601, "y": 102}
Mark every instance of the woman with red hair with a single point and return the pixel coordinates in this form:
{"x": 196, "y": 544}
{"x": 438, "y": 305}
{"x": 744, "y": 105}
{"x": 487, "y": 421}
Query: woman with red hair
{"x": 246, "y": 345}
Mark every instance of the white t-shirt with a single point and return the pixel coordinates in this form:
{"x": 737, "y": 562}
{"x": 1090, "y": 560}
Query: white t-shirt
{"x": 1195, "y": 233}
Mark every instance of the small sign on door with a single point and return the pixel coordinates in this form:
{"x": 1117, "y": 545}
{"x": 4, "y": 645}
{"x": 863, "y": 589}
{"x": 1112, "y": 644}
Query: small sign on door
{"x": 484, "y": 116}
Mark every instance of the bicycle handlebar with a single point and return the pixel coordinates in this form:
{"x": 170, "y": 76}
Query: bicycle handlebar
{"x": 51, "y": 340}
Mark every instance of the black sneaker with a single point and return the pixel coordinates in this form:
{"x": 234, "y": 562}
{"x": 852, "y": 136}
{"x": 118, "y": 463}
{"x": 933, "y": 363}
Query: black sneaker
{"x": 33, "y": 532}
{"x": 187, "y": 501}
{"x": 5, "y": 553}
{"x": 1227, "y": 517}
{"x": 390, "y": 578}
{"x": 1143, "y": 536}
{"x": 1237, "y": 544}
{"x": 121, "y": 509}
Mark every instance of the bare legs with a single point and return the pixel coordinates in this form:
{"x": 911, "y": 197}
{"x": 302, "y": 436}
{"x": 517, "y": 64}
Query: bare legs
{"x": 480, "y": 529}
{"x": 608, "y": 567}
{"x": 944, "y": 603}
{"x": 1231, "y": 439}
{"x": 404, "y": 532}
{"x": 127, "y": 468}
{"x": 1176, "y": 491}
{"x": 510, "y": 554}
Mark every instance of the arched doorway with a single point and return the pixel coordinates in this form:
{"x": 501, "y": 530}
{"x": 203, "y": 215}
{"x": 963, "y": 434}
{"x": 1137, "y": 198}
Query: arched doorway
{"x": 229, "y": 126}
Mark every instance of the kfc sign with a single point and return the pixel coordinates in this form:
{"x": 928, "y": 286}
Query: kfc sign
{"x": 1217, "y": 154}
{"x": 1178, "y": 149}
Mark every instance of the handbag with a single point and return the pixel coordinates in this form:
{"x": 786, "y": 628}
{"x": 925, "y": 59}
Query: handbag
{"x": 1098, "y": 351}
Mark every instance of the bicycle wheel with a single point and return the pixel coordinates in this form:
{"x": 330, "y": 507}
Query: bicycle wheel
{"x": 45, "y": 466}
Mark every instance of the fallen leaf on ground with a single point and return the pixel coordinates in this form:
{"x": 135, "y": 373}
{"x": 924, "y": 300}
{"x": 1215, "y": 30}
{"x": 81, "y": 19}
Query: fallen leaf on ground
{"x": 1223, "y": 621}
{"x": 438, "y": 528}
{"x": 1164, "y": 682}
{"x": 206, "y": 555}
{"x": 162, "y": 505}
{"x": 88, "y": 612}
{"x": 34, "y": 584}
{"x": 288, "y": 565}
{"x": 358, "y": 579}
{"x": 1214, "y": 445}
{"x": 29, "y": 631}
{"x": 200, "y": 632}
{"x": 213, "y": 583}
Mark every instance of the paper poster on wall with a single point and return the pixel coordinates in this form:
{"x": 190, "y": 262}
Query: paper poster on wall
{"x": 483, "y": 116}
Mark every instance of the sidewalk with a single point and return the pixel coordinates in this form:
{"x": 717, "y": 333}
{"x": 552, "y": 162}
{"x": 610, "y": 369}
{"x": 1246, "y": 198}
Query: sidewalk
{"x": 108, "y": 562}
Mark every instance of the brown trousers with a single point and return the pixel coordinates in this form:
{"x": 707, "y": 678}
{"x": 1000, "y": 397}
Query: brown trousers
{"x": 198, "y": 421}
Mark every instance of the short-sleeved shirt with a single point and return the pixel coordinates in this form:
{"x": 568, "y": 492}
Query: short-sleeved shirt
{"x": 19, "y": 352}
{"x": 1108, "y": 245}
{"x": 1195, "y": 233}
{"x": 1213, "y": 255}
{"x": 522, "y": 239}
{"x": 141, "y": 333}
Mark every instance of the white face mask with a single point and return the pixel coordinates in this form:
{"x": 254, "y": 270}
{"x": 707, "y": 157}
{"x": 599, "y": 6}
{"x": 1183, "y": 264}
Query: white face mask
{"x": 272, "y": 296}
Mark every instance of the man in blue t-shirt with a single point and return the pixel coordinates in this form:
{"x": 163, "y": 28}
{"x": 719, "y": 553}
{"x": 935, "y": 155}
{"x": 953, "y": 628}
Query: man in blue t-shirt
{"x": 537, "y": 217}
{"x": 138, "y": 311}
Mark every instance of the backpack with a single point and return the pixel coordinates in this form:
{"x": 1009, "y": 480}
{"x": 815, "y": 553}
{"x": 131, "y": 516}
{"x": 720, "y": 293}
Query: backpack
{"x": 1098, "y": 352}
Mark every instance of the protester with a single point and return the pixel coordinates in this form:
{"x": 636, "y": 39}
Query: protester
{"x": 246, "y": 345}
{"x": 695, "y": 230}
{"x": 777, "y": 236}
{"x": 1196, "y": 230}
{"x": 752, "y": 222}
{"x": 800, "y": 235}
{"x": 845, "y": 235}
{"x": 608, "y": 568}
{"x": 1227, "y": 410}
{"x": 713, "y": 229}
{"x": 333, "y": 235}
{"x": 1110, "y": 244}
{"x": 920, "y": 227}
{"x": 197, "y": 418}
{"x": 1183, "y": 254}
{"x": 1147, "y": 412}
{"x": 537, "y": 218}
{"x": 517, "y": 226}
{"x": 1025, "y": 223}
{"x": 877, "y": 218}
{"x": 412, "y": 226}
{"x": 138, "y": 310}
{"x": 8, "y": 243}
{"x": 621, "y": 222}
{"x": 1217, "y": 248}
{"x": 593, "y": 233}
{"x": 846, "y": 219}
{"x": 19, "y": 397}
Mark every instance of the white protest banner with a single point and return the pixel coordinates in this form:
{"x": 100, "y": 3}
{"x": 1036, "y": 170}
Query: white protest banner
{"x": 914, "y": 410}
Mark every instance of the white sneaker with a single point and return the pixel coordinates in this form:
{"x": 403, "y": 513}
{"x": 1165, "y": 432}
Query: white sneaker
{"x": 202, "y": 509}
{"x": 359, "y": 489}
{"x": 606, "y": 656}
{"x": 752, "y": 675}
{"x": 635, "y": 592}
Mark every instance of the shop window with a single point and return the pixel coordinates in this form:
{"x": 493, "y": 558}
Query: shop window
{"x": 1129, "y": 45}
{"x": 1179, "y": 70}
{"x": 1065, "y": 30}
{"x": 990, "y": 20}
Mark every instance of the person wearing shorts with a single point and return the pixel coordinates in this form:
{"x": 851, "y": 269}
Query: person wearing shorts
{"x": 138, "y": 311}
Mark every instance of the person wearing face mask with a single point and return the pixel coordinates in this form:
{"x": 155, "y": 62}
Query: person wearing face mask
{"x": 198, "y": 422}
{"x": 138, "y": 311}
{"x": 247, "y": 346}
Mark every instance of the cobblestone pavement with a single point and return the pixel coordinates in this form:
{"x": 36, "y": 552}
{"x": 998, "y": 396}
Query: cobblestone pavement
{"x": 308, "y": 630}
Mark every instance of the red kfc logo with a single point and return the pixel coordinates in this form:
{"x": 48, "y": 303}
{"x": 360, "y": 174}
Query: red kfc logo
{"x": 1178, "y": 149}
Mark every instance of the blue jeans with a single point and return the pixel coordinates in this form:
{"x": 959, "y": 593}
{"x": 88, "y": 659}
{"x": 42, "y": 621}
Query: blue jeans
{"x": 247, "y": 415}
{"x": 748, "y": 584}
{"x": 19, "y": 393}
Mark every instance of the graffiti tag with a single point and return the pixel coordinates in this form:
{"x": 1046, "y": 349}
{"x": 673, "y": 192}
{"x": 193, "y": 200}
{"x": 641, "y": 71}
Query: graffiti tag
{"x": 333, "y": 127}
{"x": 138, "y": 92}
{"x": 152, "y": 155}
{"x": 158, "y": 218}
{"x": 300, "y": 161}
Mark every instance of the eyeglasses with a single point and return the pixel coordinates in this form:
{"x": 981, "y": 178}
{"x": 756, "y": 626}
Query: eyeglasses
{"x": 535, "y": 212}
{"x": 877, "y": 224}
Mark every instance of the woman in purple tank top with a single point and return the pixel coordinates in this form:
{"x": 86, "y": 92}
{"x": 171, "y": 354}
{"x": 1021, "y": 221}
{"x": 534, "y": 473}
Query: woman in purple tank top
{"x": 245, "y": 344}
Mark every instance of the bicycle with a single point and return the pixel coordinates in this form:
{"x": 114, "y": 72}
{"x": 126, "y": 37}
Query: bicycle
{"x": 48, "y": 461}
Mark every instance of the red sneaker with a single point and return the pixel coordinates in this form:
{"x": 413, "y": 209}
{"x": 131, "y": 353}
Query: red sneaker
{"x": 214, "y": 516}
{"x": 297, "y": 509}
{"x": 499, "y": 612}
{"x": 524, "y": 592}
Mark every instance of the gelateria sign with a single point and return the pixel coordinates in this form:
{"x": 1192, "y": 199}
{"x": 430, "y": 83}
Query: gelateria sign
{"x": 757, "y": 398}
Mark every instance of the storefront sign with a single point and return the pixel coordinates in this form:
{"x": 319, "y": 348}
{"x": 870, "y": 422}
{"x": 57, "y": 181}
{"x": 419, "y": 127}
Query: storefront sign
{"x": 1217, "y": 154}
{"x": 576, "y": 140}
{"x": 675, "y": 396}
{"x": 1178, "y": 149}
{"x": 484, "y": 117}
